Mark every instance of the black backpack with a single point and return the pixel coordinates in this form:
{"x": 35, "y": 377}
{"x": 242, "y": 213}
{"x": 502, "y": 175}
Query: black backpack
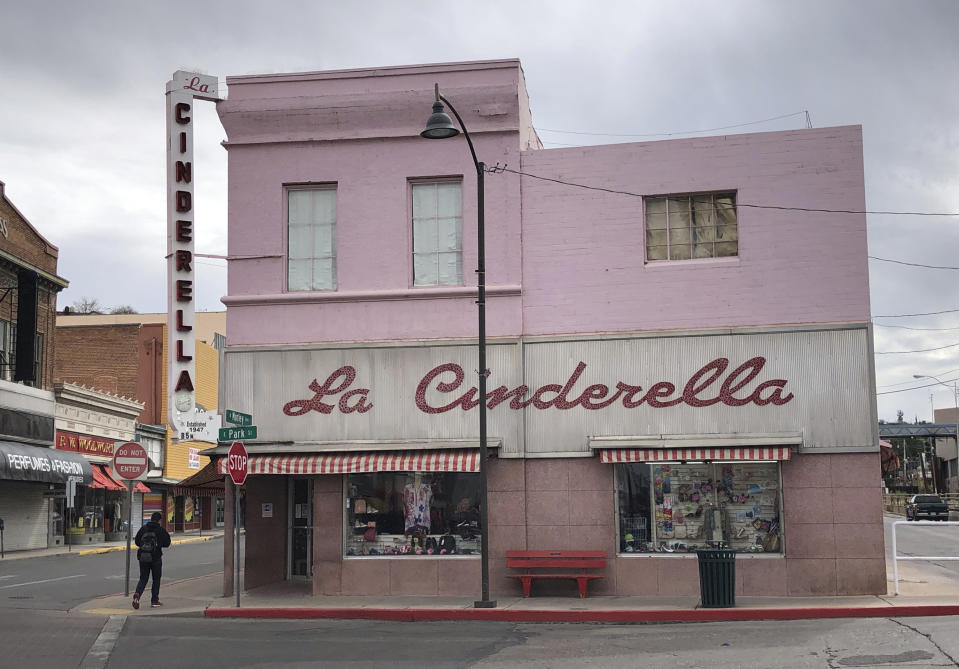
{"x": 148, "y": 546}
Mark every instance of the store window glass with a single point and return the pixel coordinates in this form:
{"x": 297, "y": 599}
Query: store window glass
{"x": 414, "y": 514}
{"x": 676, "y": 507}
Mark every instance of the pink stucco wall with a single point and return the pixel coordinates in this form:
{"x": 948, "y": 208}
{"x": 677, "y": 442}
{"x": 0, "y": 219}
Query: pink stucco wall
{"x": 583, "y": 250}
{"x": 560, "y": 259}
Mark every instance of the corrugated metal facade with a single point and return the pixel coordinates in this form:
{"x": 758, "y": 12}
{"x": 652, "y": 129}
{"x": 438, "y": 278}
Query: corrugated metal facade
{"x": 827, "y": 373}
{"x": 26, "y": 515}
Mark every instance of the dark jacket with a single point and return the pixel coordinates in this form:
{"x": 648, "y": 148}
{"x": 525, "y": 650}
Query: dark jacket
{"x": 163, "y": 537}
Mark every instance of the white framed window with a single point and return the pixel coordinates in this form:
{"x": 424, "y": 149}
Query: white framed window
{"x": 311, "y": 235}
{"x": 690, "y": 226}
{"x": 438, "y": 233}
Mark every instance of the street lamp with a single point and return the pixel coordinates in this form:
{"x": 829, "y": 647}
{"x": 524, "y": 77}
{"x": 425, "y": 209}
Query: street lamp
{"x": 954, "y": 388}
{"x": 439, "y": 126}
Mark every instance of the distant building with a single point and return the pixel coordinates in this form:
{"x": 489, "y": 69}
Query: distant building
{"x": 125, "y": 354}
{"x": 679, "y": 354}
{"x": 33, "y": 477}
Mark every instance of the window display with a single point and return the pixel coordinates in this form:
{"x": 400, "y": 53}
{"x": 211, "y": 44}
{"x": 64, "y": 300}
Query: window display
{"x": 412, "y": 514}
{"x": 678, "y": 507}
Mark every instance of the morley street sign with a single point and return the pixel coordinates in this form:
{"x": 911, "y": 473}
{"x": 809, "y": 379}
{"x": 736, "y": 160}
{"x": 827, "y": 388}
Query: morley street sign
{"x": 235, "y": 433}
{"x": 238, "y": 418}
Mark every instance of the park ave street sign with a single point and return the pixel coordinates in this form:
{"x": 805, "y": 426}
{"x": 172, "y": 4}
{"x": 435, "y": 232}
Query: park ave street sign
{"x": 234, "y": 433}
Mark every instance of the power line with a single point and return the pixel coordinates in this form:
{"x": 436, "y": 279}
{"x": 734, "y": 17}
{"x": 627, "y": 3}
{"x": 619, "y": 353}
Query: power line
{"x": 921, "y": 350}
{"x": 906, "y": 390}
{"x": 906, "y": 327}
{"x": 684, "y": 132}
{"x": 496, "y": 169}
{"x": 912, "y": 264}
{"x": 929, "y": 313}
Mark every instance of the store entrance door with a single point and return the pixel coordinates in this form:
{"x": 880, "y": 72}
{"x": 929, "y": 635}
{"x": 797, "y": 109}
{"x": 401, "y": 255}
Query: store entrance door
{"x": 300, "y": 534}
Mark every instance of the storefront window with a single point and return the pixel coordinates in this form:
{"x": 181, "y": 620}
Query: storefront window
{"x": 412, "y": 514}
{"x": 86, "y": 517}
{"x": 676, "y": 507}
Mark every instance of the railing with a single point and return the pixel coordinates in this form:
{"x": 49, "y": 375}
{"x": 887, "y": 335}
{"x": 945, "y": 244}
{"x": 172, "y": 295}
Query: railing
{"x": 895, "y": 554}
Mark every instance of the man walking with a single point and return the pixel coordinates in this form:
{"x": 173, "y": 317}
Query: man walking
{"x": 150, "y": 541}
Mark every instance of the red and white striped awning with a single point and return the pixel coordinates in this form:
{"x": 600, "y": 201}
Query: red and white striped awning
{"x": 363, "y": 463}
{"x": 615, "y": 455}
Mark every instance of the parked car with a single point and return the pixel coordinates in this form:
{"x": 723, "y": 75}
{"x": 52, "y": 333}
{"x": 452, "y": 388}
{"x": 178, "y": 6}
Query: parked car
{"x": 926, "y": 506}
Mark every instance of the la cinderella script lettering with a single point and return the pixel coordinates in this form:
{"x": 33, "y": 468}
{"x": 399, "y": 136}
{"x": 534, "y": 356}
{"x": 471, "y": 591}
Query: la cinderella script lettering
{"x": 712, "y": 384}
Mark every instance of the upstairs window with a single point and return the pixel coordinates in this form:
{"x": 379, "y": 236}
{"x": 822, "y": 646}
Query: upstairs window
{"x": 685, "y": 227}
{"x": 437, "y": 234}
{"x": 311, "y": 232}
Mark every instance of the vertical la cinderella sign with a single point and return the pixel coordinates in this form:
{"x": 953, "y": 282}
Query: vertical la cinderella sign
{"x": 181, "y": 91}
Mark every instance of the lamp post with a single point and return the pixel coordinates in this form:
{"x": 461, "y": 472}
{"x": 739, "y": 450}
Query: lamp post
{"x": 439, "y": 126}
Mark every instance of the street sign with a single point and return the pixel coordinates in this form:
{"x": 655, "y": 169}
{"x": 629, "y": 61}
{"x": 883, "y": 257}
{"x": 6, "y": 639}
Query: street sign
{"x": 238, "y": 418}
{"x": 237, "y": 463}
{"x": 234, "y": 433}
{"x": 130, "y": 461}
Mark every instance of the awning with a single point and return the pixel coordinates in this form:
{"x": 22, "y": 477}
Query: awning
{"x": 101, "y": 479}
{"x": 208, "y": 482}
{"x": 362, "y": 463}
{"x": 139, "y": 487}
{"x": 615, "y": 455}
{"x": 21, "y": 462}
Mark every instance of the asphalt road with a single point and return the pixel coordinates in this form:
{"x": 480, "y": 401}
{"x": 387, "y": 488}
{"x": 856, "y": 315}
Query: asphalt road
{"x": 919, "y": 540}
{"x": 60, "y": 582}
{"x": 819, "y": 644}
{"x": 37, "y": 630}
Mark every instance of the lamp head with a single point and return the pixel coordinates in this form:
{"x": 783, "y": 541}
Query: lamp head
{"x": 439, "y": 125}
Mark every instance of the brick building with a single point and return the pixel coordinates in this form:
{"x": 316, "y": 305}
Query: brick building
{"x": 125, "y": 355}
{"x": 32, "y": 474}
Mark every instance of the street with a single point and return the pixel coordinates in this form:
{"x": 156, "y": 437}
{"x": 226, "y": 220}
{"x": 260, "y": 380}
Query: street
{"x": 40, "y": 628}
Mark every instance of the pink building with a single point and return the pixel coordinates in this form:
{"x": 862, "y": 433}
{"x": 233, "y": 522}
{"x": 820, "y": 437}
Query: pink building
{"x": 679, "y": 346}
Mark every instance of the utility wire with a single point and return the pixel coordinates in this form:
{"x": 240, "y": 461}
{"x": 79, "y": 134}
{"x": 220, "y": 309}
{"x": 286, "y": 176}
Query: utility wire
{"x": 921, "y": 350}
{"x": 906, "y": 327}
{"x": 685, "y": 132}
{"x": 496, "y": 169}
{"x": 912, "y": 264}
{"x": 929, "y": 313}
{"x": 906, "y": 390}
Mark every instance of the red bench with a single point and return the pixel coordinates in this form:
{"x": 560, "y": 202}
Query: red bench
{"x": 553, "y": 561}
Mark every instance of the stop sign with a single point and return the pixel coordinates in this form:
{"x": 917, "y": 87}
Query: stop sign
{"x": 130, "y": 461}
{"x": 236, "y": 463}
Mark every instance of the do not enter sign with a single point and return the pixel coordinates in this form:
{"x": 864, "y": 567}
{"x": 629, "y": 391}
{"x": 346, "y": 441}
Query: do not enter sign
{"x": 130, "y": 461}
{"x": 236, "y": 463}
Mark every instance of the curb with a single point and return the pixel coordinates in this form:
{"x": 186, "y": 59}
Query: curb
{"x": 123, "y": 547}
{"x": 609, "y": 616}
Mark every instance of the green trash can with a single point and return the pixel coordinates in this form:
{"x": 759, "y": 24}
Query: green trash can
{"x": 717, "y": 577}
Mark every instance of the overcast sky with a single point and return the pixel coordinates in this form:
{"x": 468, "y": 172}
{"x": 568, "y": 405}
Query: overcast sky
{"x": 82, "y": 129}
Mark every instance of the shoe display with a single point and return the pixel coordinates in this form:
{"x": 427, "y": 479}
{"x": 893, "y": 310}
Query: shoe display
{"x": 136, "y": 601}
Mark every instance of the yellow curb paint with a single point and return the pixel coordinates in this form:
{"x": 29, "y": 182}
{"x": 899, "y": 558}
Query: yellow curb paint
{"x": 109, "y": 612}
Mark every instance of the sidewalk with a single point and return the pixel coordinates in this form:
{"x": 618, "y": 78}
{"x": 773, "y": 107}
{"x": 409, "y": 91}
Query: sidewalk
{"x": 925, "y": 591}
{"x": 108, "y": 546}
